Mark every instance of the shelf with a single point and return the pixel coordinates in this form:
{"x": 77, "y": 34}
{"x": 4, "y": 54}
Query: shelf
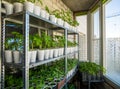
{"x": 38, "y": 63}
{"x": 44, "y": 62}
{"x": 26, "y": 20}
{"x": 35, "y": 19}
{"x": 69, "y": 78}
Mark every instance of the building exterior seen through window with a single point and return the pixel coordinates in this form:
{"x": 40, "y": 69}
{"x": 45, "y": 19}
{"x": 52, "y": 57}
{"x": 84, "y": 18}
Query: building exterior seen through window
{"x": 112, "y": 14}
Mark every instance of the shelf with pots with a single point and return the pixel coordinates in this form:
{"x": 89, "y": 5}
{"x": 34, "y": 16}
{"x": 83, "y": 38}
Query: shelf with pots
{"x": 43, "y": 49}
{"x": 41, "y": 78}
{"x": 59, "y": 18}
{"x": 30, "y": 50}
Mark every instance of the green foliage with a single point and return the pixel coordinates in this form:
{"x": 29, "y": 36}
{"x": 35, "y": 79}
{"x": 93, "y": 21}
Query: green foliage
{"x": 60, "y": 40}
{"x": 47, "y": 9}
{"x": 72, "y": 63}
{"x": 65, "y": 15}
{"x": 57, "y": 13}
{"x": 70, "y": 44}
{"x": 35, "y": 41}
{"x": 36, "y": 1}
{"x": 8, "y": 43}
{"x": 17, "y": 41}
{"x": 46, "y": 40}
{"x": 91, "y": 68}
{"x": 12, "y": 80}
{"x": 41, "y": 74}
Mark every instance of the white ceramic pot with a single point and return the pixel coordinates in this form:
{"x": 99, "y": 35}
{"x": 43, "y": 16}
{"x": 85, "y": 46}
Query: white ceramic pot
{"x": 18, "y": 7}
{"x": 36, "y": 10}
{"x": 8, "y": 56}
{"x": 41, "y": 55}
{"x": 55, "y": 53}
{"x": 43, "y": 13}
{"x": 46, "y": 56}
{"x": 53, "y": 18}
{"x": 9, "y": 8}
{"x": 29, "y": 6}
{"x": 51, "y": 53}
{"x": 33, "y": 56}
{"x": 16, "y": 56}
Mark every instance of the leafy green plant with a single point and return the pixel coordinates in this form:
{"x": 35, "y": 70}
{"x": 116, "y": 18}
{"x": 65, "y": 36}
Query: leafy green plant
{"x": 60, "y": 40}
{"x": 91, "y": 68}
{"x": 17, "y": 40}
{"x": 57, "y": 13}
{"x": 8, "y": 43}
{"x": 35, "y": 41}
{"x": 47, "y": 40}
{"x": 47, "y": 9}
{"x": 36, "y": 1}
{"x": 21, "y": 1}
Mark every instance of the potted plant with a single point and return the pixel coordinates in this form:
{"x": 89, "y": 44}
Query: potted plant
{"x": 18, "y": 5}
{"x": 8, "y": 50}
{"x": 8, "y": 7}
{"x": 46, "y": 39}
{"x": 61, "y": 43}
{"x": 32, "y": 42}
{"x": 38, "y": 43}
{"x": 90, "y": 69}
{"x": 55, "y": 46}
{"x": 47, "y": 12}
{"x": 58, "y": 14}
{"x": 29, "y": 5}
{"x": 37, "y": 7}
{"x": 17, "y": 44}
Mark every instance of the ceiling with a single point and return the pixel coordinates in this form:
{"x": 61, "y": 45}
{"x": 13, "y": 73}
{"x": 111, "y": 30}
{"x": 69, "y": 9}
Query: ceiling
{"x": 79, "y": 5}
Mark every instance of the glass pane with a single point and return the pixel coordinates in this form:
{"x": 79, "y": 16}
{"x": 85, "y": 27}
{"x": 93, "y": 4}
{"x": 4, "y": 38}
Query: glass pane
{"x": 113, "y": 40}
{"x": 96, "y": 36}
{"x": 83, "y": 36}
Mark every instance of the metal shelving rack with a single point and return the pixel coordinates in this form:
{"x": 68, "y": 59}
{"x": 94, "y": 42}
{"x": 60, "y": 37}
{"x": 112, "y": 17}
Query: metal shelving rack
{"x": 28, "y": 20}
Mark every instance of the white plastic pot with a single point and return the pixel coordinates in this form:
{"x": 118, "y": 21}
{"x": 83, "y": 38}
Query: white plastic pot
{"x": 51, "y": 53}
{"x": 43, "y": 13}
{"x": 18, "y": 7}
{"x": 62, "y": 51}
{"x": 46, "y": 56}
{"x": 68, "y": 50}
{"x": 62, "y": 22}
{"x": 53, "y": 18}
{"x": 33, "y": 56}
{"x": 41, "y": 55}
{"x": 29, "y": 56}
{"x": 66, "y": 25}
{"x": 36, "y": 10}
{"x": 16, "y": 57}
{"x": 29, "y": 6}
{"x": 8, "y": 56}
{"x": 9, "y": 8}
{"x": 59, "y": 21}
{"x": 55, "y": 53}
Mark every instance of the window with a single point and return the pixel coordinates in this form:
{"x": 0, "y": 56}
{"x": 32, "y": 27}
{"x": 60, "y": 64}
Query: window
{"x": 112, "y": 13}
{"x": 96, "y": 37}
{"x": 83, "y": 36}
